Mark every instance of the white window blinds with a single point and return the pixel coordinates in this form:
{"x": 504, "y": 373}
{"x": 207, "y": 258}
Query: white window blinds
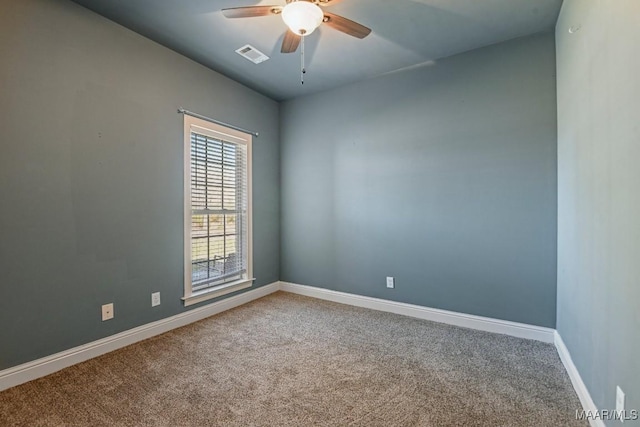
{"x": 218, "y": 211}
{"x": 217, "y": 234}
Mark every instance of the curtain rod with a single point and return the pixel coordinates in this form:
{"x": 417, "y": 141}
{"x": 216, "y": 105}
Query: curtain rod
{"x": 199, "y": 116}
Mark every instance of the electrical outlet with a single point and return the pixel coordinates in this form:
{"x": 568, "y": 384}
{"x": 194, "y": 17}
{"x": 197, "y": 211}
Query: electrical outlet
{"x": 107, "y": 312}
{"x": 391, "y": 282}
{"x": 155, "y": 299}
{"x": 620, "y": 402}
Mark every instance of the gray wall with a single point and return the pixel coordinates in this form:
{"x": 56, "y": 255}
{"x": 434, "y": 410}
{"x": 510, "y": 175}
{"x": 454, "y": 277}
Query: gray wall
{"x": 91, "y": 175}
{"x": 599, "y": 198}
{"x": 443, "y": 176}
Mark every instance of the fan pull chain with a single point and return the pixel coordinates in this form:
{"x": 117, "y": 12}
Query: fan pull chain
{"x": 302, "y": 70}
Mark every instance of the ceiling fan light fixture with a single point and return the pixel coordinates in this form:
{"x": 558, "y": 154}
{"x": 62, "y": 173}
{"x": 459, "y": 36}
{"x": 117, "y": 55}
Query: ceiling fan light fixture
{"x": 302, "y": 17}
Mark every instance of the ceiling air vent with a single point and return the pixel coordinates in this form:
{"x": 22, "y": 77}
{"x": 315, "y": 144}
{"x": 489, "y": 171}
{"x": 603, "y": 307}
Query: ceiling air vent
{"x": 252, "y": 54}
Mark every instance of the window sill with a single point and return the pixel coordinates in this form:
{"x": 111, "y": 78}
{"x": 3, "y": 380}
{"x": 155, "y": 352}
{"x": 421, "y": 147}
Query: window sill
{"x": 217, "y": 291}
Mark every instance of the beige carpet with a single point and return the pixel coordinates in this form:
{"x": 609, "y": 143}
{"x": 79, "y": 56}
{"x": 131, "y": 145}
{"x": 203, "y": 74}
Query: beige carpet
{"x": 287, "y": 360}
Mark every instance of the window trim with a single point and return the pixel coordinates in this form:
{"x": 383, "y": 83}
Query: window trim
{"x": 217, "y": 131}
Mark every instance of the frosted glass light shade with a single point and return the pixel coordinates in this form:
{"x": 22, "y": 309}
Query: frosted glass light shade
{"x": 302, "y": 17}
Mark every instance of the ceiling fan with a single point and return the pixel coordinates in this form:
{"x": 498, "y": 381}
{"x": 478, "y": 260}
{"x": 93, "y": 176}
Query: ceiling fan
{"x": 302, "y": 17}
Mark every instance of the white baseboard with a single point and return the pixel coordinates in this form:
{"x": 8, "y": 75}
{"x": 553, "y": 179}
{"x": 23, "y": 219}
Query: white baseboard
{"x": 50, "y": 364}
{"x": 581, "y": 389}
{"x": 520, "y": 330}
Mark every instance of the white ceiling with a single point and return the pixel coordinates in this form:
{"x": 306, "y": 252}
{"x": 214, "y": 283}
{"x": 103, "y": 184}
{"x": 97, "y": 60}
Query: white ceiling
{"x": 406, "y": 33}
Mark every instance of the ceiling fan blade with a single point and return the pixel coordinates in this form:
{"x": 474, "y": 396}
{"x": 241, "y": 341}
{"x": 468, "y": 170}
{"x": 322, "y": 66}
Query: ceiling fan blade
{"x": 345, "y": 25}
{"x": 251, "y": 11}
{"x": 326, "y": 3}
{"x": 290, "y": 42}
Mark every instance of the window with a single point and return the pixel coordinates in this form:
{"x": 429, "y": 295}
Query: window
{"x": 217, "y": 223}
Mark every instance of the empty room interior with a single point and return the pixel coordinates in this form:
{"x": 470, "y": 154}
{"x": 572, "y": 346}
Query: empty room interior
{"x": 319, "y": 212}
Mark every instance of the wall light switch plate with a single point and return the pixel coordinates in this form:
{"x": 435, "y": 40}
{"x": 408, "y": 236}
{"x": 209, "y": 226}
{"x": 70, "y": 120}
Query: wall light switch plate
{"x": 155, "y": 299}
{"x": 107, "y": 312}
{"x": 391, "y": 282}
